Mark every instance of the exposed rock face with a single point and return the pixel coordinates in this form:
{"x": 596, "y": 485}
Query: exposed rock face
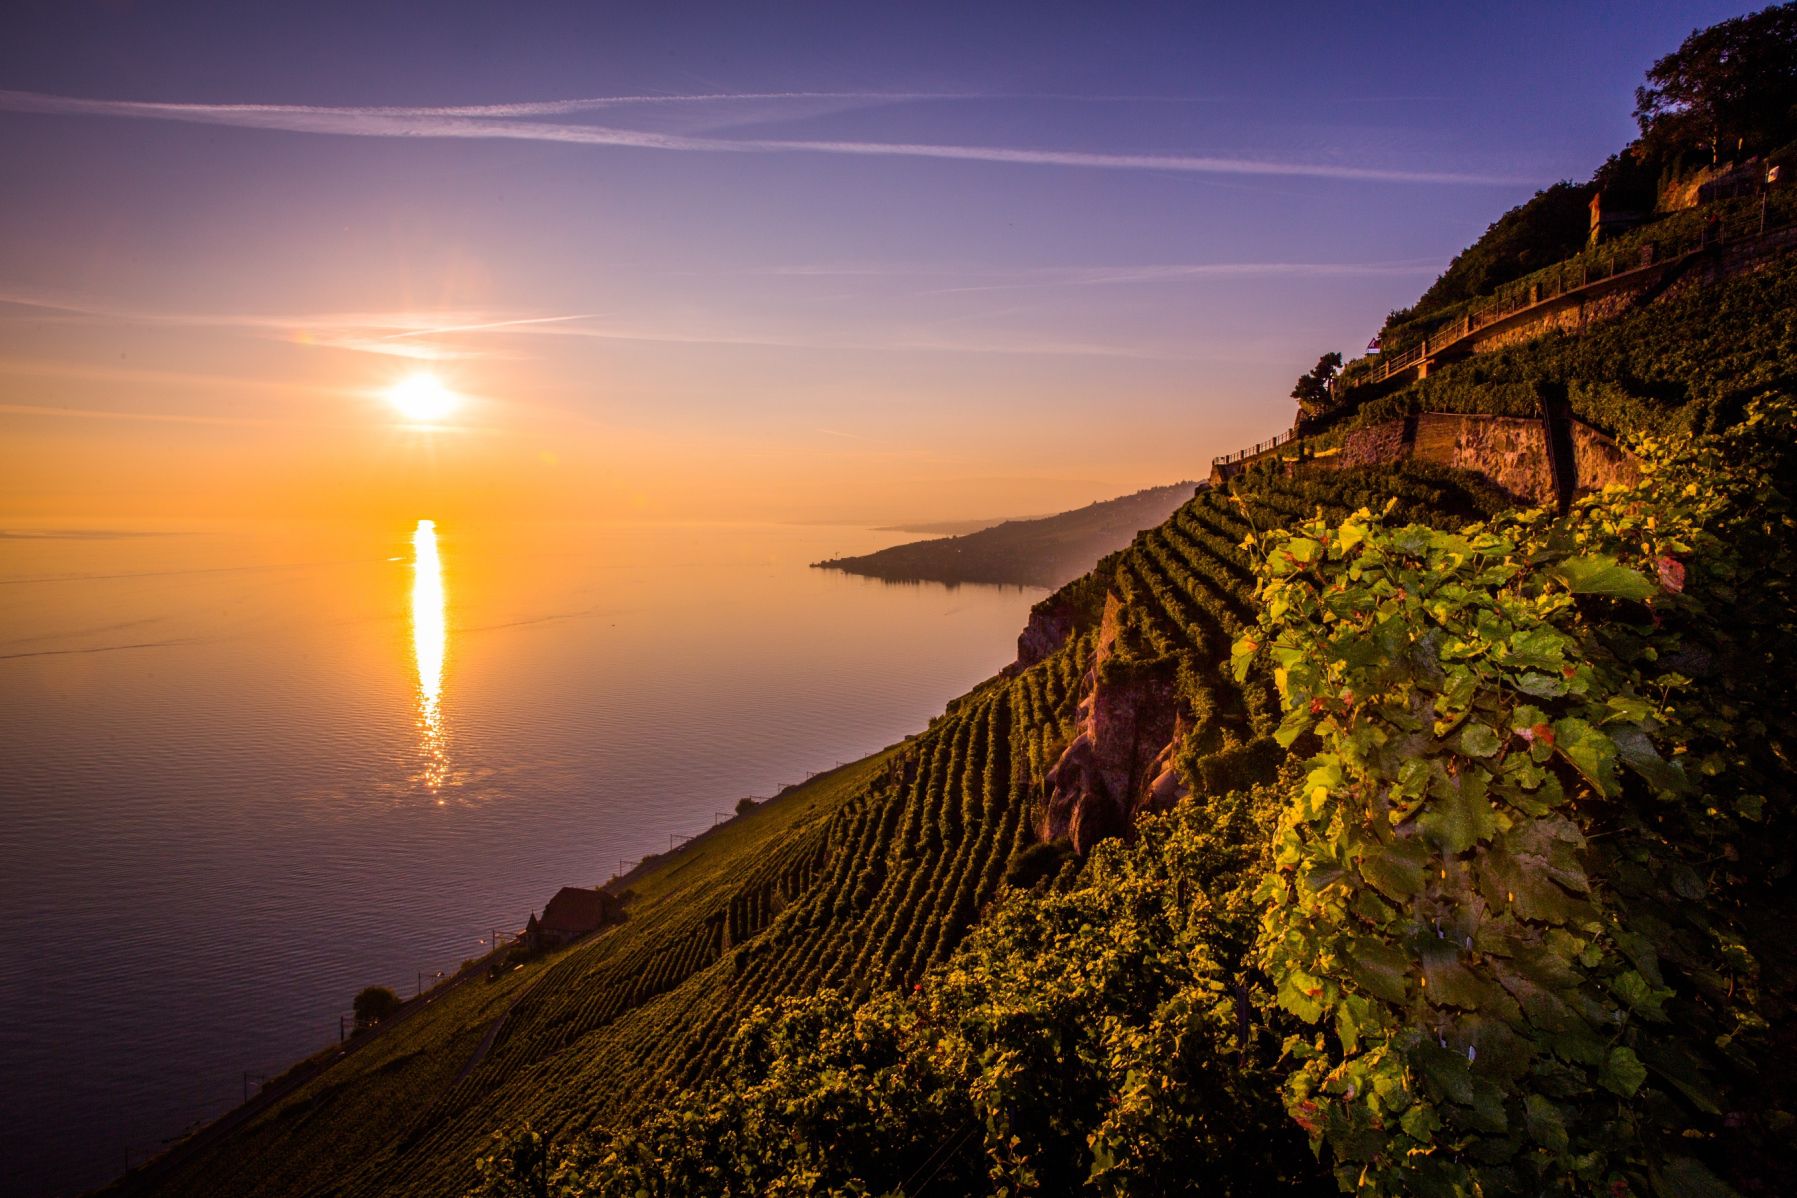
{"x": 1167, "y": 789}
{"x": 1120, "y": 759}
{"x": 1051, "y": 622}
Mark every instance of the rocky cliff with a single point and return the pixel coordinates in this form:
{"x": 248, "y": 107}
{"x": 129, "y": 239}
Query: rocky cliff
{"x": 1119, "y": 762}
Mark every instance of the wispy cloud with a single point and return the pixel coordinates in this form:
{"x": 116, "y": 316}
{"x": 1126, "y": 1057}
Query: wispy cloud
{"x": 21, "y": 101}
{"x": 402, "y": 334}
{"x": 1183, "y": 272}
{"x": 60, "y": 412}
{"x": 500, "y": 121}
{"x": 395, "y": 332}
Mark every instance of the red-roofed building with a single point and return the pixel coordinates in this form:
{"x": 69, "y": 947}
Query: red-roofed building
{"x": 572, "y": 913}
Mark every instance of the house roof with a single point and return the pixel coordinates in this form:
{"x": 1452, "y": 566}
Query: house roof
{"x": 575, "y": 910}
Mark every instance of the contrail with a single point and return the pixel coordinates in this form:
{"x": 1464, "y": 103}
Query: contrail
{"x": 21, "y": 101}
{"x": 495, "y": 122}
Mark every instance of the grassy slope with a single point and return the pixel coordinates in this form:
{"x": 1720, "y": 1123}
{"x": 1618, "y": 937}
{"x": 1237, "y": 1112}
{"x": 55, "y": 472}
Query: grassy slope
{"x": 1044, "y": 552}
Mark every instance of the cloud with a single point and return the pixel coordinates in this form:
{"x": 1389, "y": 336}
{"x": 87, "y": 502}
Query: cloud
{"x": 392, "y": 333}
{"x": 1179, "y": 272}
{"x": 20, "y": 101}
{"x": 500, "y": 121}
{"x": 59, "y": 412}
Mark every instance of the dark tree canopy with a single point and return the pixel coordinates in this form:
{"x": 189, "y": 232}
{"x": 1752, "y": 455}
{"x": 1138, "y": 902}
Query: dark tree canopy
{"x": 1727, "y": 89}
{"x": 1548, "y": 227}
{"x": 1312, "y": 392}
{"x": 375, "y": 1004}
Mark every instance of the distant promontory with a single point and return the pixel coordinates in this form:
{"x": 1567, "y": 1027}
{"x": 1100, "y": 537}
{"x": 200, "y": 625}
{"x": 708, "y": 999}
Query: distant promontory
{"x": 1044, "y": 552}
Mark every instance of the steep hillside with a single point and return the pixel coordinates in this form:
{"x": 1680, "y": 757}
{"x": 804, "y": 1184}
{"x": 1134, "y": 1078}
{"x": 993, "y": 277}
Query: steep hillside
{"x": 1044, "y": 552}
{"x": 864, "y": 886}
{"x": 1348, "y": 828}
{"x": 1581, "y": 1001}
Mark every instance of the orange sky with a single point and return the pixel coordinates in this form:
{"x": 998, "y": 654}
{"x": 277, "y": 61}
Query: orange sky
{"x": 665, "y": 300}
{"x": 109, "y": 413}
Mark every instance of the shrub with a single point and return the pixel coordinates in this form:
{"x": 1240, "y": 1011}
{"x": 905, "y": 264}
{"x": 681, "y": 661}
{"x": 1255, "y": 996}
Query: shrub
{"x": 375, "y": 1004}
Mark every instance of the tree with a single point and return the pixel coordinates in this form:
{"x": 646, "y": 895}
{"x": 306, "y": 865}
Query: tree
{"x": 1313, "y": 390}
{"x": 744, "y": 806}
{"x": 375, "y": 1004}
{"x": 1539, "y": 232}
{"x": 1729, "y": 88}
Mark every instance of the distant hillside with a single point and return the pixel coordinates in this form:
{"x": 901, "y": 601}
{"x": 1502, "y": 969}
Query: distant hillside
{"x": 956, "y": 528}
{"x": 1045, "y": 552}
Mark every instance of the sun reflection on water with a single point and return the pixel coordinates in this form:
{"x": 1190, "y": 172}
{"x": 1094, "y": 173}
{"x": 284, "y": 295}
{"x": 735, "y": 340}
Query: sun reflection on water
{"x": 429, "y": 638}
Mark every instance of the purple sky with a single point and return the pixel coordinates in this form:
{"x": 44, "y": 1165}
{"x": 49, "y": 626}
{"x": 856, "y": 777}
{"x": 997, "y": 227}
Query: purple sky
{"x": 806, "y": 261}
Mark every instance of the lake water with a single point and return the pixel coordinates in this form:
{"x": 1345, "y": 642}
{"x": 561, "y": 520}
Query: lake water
{"x": 246, "y": 772}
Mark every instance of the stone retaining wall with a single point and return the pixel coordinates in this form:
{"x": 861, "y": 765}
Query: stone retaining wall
{"x": 1511, "y": 451}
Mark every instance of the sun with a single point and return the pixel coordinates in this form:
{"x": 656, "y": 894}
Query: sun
{"x": 422, "y": 398}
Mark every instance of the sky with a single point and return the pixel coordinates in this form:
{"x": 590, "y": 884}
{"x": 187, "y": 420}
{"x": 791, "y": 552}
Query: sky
{"x": 808, "y": 262}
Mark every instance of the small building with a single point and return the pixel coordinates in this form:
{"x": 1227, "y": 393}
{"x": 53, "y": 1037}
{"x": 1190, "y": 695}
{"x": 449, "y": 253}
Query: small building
{"x": 574, "y": 912}
{"x": 1609, "y": 218}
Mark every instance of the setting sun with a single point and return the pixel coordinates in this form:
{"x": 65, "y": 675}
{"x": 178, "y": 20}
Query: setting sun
{"x": 422, "y": 397}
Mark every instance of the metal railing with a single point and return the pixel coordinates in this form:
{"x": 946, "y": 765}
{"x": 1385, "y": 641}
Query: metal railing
{"x": 1242, "y": 455}
{"x": 1544, "y": 287}
{"x": 1568, "y": 278}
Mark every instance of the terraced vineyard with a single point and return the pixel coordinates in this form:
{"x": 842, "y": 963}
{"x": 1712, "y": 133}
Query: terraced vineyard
{"x": 860, "y": 880}
{"x": 1187, "y": 592}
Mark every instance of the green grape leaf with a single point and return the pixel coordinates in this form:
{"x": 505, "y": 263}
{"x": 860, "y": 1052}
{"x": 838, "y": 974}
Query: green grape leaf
{"x": 1590, "y": 751}
{"x": 1601, "y": 574}
{"x": 1478, "y": 740}
{"x": 1547, "y": 1127}
{"x": 1461, "y": 817}
{"x": 1381, "y": 969}
{"x": 1396, "y": 869}
{"x": 1622, "y": 1072}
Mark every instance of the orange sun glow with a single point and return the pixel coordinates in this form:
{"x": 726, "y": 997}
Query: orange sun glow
{"x": 422, "y": 398}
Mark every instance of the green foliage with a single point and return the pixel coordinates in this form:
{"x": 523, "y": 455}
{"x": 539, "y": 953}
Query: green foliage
{"x": 1030, "y": 864}
{"x": 1096, "y": 1039}
{"x": 1313, "y": 391}
{"x": 1497, "y": 899}
{"x": 1549, "y": 226}
{"x": 1665, "y": 236}
{"x": 525, "y": 1165}
{"x": 1686, "y": 364}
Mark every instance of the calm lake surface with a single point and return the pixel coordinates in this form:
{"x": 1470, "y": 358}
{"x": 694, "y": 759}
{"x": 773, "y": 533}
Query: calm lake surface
{"x": 245, "y": 772}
